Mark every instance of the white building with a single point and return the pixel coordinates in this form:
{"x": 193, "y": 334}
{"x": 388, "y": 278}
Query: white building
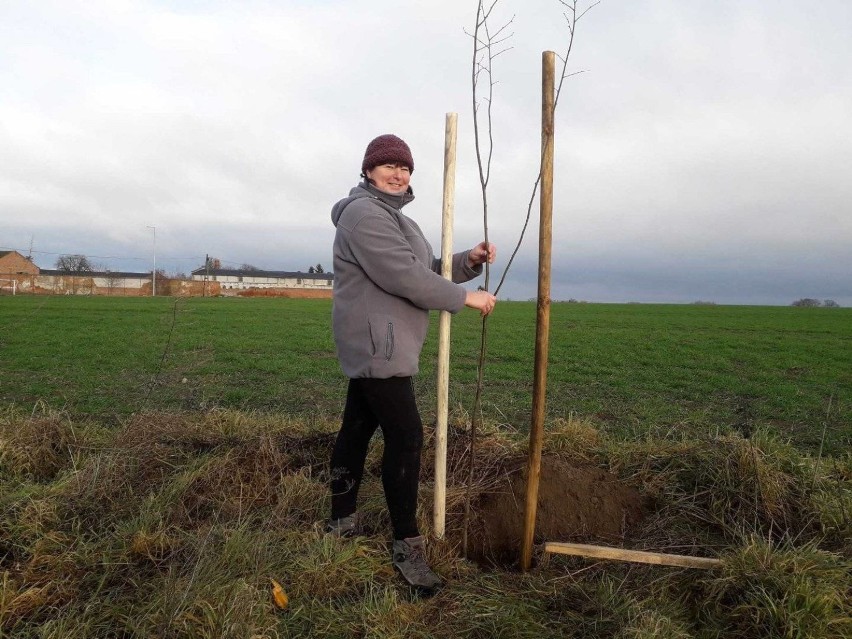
{"x": 237, "y": 279}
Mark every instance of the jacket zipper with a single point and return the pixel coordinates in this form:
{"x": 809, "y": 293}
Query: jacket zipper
{"x": 389, "y": 342}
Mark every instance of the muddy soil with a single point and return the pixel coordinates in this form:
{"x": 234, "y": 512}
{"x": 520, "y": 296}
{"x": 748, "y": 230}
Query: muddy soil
{"x": 575, "y": 504}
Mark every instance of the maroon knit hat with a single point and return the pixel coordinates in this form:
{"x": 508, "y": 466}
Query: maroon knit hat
{"x": 387, "y": 148}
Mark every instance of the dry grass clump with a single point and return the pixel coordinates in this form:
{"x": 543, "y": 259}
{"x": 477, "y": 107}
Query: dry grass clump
{"x": 37, "y": 450}
{"x": 492, "y": 447}
{"x": 223, "y": 467}
{"x": 575, "y": 437}
{"x": 175, "y": 525}
{"x": 26, "y": 512}
{"x": 154, "y": 545}
{"x": 138, "y": 505}
{"x": 37, "y": 447}
{"x": 780, "y": 591}
{"x": 739, "y": 487}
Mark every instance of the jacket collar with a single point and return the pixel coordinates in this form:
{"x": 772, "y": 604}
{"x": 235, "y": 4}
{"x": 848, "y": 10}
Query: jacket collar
{"x": 396, "y": 200}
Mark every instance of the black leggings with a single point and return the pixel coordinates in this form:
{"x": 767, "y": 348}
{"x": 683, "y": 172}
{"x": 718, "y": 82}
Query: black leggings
{"x": 388, "y": 403}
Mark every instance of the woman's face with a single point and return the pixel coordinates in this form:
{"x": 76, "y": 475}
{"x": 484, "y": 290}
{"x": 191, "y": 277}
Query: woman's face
{"x": 392, "y": 178}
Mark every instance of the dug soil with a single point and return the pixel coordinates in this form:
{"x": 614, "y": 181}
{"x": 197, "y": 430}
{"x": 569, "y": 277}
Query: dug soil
{"x": 575, "y": 503}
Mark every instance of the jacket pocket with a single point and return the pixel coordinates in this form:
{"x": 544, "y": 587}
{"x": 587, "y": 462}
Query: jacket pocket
{"x": 382, "y": 336}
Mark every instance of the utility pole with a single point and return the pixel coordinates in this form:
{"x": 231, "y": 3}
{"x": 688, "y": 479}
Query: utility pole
{"x": 154, "y": 268}
{"x": 206, "y": 272}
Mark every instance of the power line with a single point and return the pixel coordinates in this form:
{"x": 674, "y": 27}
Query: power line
{"x": 103, "y": 257}
{"x": 100, "y": 257}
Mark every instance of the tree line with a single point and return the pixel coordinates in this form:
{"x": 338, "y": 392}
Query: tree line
{"x": 809, "y": 302}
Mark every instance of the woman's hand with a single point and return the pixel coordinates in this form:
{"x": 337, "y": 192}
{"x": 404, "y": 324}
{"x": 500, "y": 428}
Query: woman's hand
{"x": 483, "y": 301}
{"x": 481, "y": 253}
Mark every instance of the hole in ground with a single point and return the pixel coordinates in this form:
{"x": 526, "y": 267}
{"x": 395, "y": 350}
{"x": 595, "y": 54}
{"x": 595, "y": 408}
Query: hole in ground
{"x": 575, "y": 503}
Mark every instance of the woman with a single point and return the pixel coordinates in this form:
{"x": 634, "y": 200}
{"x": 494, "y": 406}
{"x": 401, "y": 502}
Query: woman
{"x": 386, "y": 279}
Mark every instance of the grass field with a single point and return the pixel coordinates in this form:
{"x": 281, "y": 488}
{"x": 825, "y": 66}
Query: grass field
{"x": 631, "y": 369}
{"x": 162, "y": 461}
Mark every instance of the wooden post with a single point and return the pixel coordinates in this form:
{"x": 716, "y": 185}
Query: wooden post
{"x": 542, "y": 333}
{"x": 440, "y": 507}
{"x": 638, "y": 556}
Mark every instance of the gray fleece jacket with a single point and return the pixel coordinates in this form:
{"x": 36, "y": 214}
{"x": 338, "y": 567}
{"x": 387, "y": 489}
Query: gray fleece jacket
{"x": 386, "y": 279}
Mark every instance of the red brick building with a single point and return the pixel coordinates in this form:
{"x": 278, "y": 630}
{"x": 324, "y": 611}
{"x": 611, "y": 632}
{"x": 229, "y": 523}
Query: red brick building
{"x": 13, "y": 263}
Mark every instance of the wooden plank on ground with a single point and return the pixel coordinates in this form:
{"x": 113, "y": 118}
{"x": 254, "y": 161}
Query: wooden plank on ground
{"x": 639, "y": 556}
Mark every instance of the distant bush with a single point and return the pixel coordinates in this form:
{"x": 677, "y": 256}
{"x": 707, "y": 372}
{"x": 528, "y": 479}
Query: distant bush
{"x": 807, "y": 302}
{"x": 704, "y": 303}
{"x": 810, "y": 302}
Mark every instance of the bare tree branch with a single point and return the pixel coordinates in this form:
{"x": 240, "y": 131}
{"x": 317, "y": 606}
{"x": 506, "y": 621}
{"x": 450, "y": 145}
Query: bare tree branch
{"x": 486, "y": 47}
{"x": 572, "y": 23}
{"x": 485, "y": 51}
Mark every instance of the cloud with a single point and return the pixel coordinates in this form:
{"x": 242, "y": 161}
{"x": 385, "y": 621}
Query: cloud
{"x": 702, "y": 152}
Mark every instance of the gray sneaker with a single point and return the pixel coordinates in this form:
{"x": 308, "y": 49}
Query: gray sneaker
{"x": 409, "y": 559}
{"x": 348, "y": 526}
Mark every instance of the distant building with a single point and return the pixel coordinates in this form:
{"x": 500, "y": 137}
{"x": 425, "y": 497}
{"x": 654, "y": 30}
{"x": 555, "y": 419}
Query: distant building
{"x": 13, "y": 263}
{"x": 94, "y": 282}
{"x": 19, "y": 274}
{"x": 29, "y": 278}
{"x": 241, "y": 280}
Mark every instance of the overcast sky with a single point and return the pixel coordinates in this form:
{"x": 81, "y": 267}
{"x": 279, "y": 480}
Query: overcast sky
{"x": 704, "y": 153}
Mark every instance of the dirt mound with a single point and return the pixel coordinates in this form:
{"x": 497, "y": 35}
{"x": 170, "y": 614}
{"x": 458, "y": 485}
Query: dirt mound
{"x": 575, "y": 503}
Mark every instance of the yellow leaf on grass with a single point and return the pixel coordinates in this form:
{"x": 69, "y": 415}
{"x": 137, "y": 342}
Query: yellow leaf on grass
{"x": 279, "y": 596}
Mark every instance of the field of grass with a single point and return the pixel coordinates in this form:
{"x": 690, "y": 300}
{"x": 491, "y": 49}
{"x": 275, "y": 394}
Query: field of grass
{"x": 631, "y": 369}
{"x": 162, "y": 461}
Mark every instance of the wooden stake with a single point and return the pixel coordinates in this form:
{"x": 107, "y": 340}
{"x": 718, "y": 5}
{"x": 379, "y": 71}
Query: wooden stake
{"x": 542, "y": 334}
{"x": 440, "y": 506}
{"x": 639, "y": 556}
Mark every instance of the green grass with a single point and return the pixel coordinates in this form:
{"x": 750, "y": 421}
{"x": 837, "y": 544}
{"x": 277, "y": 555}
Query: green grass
{"x": 161, "y": 461}
{"x": 631, "y": 369}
